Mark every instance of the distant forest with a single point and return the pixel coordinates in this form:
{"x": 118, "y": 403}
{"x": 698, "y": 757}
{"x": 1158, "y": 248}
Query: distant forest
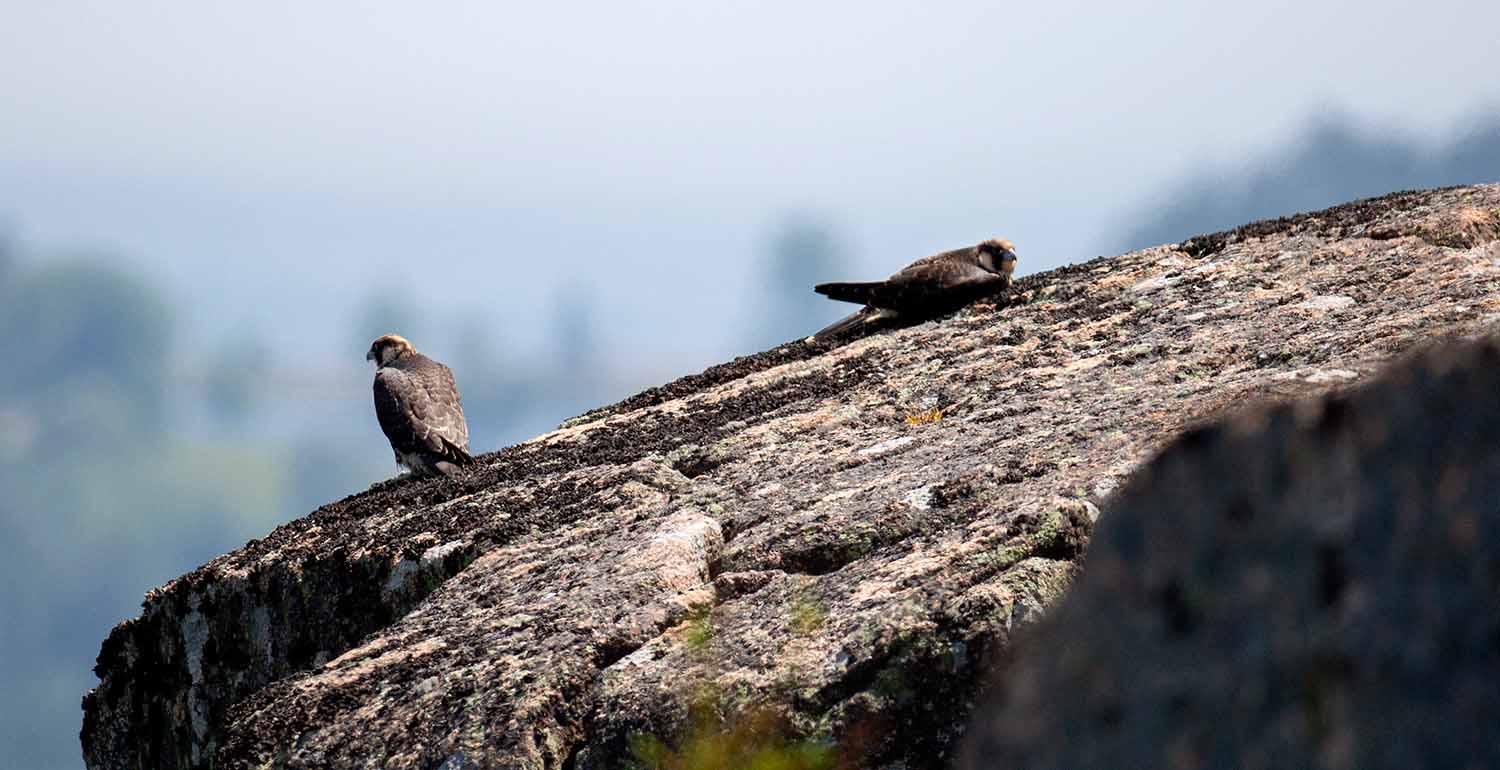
{"x": 1331, "y": 162}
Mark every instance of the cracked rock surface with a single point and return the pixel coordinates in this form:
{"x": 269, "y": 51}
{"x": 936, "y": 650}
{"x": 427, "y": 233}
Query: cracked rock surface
{"x": 840, "y": 536}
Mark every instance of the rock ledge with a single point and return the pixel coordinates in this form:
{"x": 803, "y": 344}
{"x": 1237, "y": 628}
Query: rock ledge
{"x": 839, "y": 538}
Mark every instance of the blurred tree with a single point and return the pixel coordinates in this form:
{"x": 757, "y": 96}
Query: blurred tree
{"x": 101, "y": 498}
{"x": 803, "y": 251}
{"x": 1475, "y": 155}
{"x": 324, "y": 470}
{"x": 476, "y": 346}
{"x": 90, "y": 353}
{"x": 575, "y": 339}
{"x": 1332, "y": 161}
{"x": 7, "y": 251}
{"x": 232, "y": 378}
{"x": 491, "y": 397}
{"x": 382, "y": 314}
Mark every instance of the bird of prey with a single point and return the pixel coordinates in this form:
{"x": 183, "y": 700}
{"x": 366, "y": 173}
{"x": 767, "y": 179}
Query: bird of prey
{"x": 927, "y": 288}
{"x": 418, "y": 407}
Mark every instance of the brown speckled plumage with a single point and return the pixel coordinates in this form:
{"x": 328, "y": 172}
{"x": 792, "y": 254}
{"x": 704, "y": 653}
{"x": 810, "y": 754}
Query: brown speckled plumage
{"x": 417, "y": 403}
{"x": 929, "y": 287}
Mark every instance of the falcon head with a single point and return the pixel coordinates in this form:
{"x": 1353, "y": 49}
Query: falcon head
{"x": 388, "y": 348}
{"x": 997, "y": 256}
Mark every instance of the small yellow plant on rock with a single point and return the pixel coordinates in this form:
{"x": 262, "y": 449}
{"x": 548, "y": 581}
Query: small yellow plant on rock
{"x": 700, "y": 629}
{"x": 756, "y": 741}
{"x": 806, "y": 613}
{"x": 922, "y": 418}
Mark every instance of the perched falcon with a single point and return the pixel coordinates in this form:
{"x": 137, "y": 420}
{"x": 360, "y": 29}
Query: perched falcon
{"x": 929, "y": 287}
{"x": 418, "y": 407}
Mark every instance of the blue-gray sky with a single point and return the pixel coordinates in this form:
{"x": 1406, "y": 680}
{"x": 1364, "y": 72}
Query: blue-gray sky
{"x": 276, "y": 162}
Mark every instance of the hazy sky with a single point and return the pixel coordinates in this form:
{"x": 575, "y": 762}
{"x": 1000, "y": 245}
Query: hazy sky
{"x": 278, "y": 162}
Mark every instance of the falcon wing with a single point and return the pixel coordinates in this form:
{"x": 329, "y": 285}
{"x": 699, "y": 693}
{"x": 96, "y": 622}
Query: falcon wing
{"x": 863, "y": 320}
{"x": 419, "y": 411}
{"x": 447, "y": 416}
{"x": 932, "y": 284}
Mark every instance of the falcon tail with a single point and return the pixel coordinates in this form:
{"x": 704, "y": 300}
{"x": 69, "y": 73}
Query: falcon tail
{"x": 841, "y": 327}
{"x": 449, "y": 462}
{"x": 457, "y": 453}
{"x": 859, "y": 293}
{"x": 863, "y": 321}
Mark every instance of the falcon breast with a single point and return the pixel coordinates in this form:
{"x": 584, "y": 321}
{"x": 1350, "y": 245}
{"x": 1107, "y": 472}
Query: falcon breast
{"x": 417, "y": 403}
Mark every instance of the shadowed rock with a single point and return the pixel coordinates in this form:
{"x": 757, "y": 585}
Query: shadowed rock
{"x": 1310, "y": 586}
{"x": 835, "y": 540}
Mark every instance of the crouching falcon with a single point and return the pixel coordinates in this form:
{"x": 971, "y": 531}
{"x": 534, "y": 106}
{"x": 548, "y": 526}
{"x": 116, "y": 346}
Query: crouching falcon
{"x": 418, "y": 407}
{"x": 930, "y": 287}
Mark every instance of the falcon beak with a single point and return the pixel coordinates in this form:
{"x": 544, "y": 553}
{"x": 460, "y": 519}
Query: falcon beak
{"x": 370, "y": 355}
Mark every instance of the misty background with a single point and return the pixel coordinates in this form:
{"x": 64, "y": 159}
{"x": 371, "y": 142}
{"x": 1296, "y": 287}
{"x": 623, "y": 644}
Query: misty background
{"x": 208, "y": 211}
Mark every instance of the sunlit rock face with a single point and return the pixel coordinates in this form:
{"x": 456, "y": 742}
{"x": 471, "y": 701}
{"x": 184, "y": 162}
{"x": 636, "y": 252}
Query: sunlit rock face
{"x": 815, "y": 552}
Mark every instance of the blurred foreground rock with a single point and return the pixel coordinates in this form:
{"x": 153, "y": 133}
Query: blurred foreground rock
{"x": 1316, "y": 585}
{"x": 827, "y": 545}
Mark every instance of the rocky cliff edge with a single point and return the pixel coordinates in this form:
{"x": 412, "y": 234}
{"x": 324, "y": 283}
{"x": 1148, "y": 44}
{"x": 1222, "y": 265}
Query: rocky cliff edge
{"x": 827, "y": 544}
